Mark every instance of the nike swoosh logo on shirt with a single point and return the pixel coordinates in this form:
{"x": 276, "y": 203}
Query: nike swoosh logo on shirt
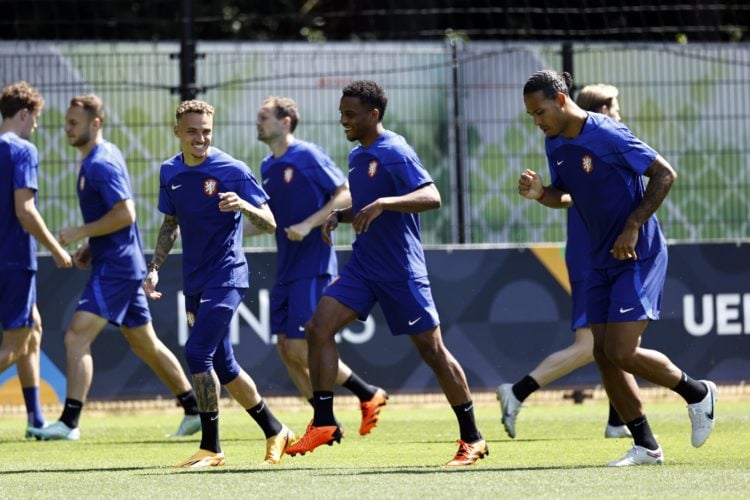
{"x": 561, "y": 162}
{"x": 265, "y": 181}
{"x": 176, "y": 186}
{"x": 301, "y": 328}
{"x": 205, "y": 300}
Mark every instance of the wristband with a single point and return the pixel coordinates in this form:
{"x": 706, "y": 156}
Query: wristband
{"x": 541, "y": 195}
{"x": 339, "y": 215}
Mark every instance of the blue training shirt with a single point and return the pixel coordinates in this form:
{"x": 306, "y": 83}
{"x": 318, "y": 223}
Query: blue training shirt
{"x": 19, "y": 165}
{"x": 391, "y": 249}
{"x": 104, "y": 181}
{"x": 602, "y": 169}
{"x": 577, "y": 247}
{"x": 212, "y": 254}
{"x": 299, "y": 183}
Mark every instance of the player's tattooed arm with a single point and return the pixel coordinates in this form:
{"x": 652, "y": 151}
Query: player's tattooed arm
{"x": 661, "y": 177}
{"x": 206, "y": 391}
{"x": 261, "y": 217}
{"x": 165, "y": 241}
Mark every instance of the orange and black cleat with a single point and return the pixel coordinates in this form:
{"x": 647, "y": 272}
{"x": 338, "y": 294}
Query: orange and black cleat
{"x": 314, "y": 437}
{"x": 469, "y": 453}
{"x": 371, "y": 411}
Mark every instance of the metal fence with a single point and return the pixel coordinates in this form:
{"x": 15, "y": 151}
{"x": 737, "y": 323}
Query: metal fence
{"x": 460, "y": 107}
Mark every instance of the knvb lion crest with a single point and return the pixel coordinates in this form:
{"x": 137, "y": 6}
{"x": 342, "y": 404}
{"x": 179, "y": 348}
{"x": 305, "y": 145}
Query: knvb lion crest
{"x": 372, "y": 168}
{"x": 210, "y": 186}
{"x": 288, "y": 174}
{"x": 587, "y": 164}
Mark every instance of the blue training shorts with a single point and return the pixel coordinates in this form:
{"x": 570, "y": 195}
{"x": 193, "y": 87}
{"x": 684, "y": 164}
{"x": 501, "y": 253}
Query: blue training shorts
{"x": 17, "y": 298}
{"x": 630, "y": 291}
{"x": 119, "y": 301}
{"x": 292, "y": 304}
{"x": 578, "y": 317}
{"x": 407, "y": 305}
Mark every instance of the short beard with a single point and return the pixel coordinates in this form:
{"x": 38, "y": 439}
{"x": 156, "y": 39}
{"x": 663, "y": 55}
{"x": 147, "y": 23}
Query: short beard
{"x": 81, "y": 141}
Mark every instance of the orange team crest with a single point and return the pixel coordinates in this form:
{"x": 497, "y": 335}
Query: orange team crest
{"x": 288, "y": 174}
{"x": 82, "y": 183}
{"x": 372, "y": 168}
{"x": 210, "y": 186}
{"x": 587, "y": 164}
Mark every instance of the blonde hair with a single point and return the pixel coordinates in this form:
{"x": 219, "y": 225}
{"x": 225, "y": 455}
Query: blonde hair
{"x": 193, "y": 106}
{"x": 593, "y": 97}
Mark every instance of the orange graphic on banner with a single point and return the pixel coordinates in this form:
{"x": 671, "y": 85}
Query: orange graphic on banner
{"x": 553, "y": 259}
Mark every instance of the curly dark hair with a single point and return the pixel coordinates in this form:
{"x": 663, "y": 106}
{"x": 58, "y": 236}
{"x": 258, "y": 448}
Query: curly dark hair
{"x": 368, "y": 92}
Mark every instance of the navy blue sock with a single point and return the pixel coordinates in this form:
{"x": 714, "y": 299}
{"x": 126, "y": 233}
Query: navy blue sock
{"x": 33, "y": 406}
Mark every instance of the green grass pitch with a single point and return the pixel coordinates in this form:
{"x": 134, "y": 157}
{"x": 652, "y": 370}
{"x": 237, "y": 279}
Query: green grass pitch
{"x": 559, "y": 452}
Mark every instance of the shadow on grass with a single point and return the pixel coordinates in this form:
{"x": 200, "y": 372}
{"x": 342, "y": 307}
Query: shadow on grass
{"x": 77, "y": 471}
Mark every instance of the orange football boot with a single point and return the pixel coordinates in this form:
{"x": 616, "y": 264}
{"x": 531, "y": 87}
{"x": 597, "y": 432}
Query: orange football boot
{"x": 469, "y": 453}
{"x": 371, "y": 411}
{"x": 314, "y": 437}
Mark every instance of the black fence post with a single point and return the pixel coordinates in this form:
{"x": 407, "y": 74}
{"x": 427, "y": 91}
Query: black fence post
{"x": 457, "y": 131}
{"x": 188, "y": 88}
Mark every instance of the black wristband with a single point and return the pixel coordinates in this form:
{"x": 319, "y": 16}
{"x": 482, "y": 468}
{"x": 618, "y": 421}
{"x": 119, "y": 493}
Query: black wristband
{"x": 339, "y": 215}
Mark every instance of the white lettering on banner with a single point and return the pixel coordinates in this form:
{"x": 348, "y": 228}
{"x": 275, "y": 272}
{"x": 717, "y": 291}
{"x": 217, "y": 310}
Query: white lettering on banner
{"x": 261, "y": 326}
{"x": 721, "y": 310}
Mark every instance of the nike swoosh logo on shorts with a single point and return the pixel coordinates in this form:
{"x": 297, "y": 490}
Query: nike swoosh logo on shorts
{"x": 413, "y": 322}
{"x": 301, "y": 328}
{"x": 623, "y": 310}
{"x": 205, "y": 300}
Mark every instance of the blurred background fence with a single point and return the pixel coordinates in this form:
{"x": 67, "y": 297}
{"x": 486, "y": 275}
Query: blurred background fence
{"x": 458, "y": 103}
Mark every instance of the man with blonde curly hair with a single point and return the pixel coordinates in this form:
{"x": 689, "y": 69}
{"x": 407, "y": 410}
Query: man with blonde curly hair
{"x": 203, "y": 194}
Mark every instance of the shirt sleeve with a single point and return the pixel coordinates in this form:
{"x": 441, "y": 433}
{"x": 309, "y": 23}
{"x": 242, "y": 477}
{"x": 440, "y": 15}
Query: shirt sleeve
{"x": 26, "y": 168}
{"x": 408, "y": 173}
{"x": 249, "y": 189}
{"x": 112, "y": 183}
{"x": 632, "y": 152}
{"x": 165, "y": 202}
{"x": 325, "y": 173}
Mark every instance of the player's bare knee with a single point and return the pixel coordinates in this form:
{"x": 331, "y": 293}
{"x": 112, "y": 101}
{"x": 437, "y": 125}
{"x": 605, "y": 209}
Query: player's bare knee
{"x": 622, "y": 358}
{"x": 75, "y": 341}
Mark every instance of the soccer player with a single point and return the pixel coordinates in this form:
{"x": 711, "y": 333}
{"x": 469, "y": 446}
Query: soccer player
{"x": 113, "y": 293}
{"x": 21, "y": 226}
{"x": 305, "y": 186}
{"x": 602, "y": 99}
{"x": 203, "y": 194}
{"x": 389, "y": 188}
{"x": 598, "y": 164}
